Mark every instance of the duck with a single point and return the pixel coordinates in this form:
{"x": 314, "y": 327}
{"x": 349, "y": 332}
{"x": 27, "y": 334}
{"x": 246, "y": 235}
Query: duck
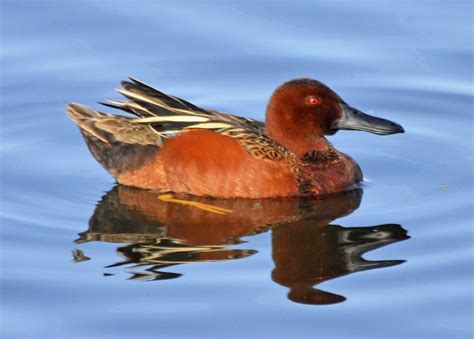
{"x": 168, "y": 144}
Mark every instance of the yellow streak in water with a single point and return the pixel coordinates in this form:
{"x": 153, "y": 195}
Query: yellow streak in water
{"x": 205, "y": 207}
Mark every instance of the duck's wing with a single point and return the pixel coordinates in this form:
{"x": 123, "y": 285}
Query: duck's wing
{"x": 168, "y": 115}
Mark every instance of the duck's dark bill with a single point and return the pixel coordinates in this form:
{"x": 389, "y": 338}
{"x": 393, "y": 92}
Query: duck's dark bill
{"x": 353, "y": 119}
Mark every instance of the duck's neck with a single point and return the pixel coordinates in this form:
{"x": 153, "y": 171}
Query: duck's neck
{"x": 318, "y": 151}
{"x": 304, "y": 145}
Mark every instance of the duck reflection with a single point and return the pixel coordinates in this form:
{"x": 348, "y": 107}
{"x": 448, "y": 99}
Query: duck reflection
{"x": 306, "y": 249}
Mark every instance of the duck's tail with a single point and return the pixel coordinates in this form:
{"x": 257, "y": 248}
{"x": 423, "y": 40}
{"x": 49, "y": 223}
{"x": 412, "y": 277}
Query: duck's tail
{"x": 86, "y": 119}
{"x": 116, "y": 142}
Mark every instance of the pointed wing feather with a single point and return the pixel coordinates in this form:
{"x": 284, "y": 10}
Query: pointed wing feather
{"x": 169, "y": 115}
{"x": 146, "y": 101}
{"x": 168, "y": 99}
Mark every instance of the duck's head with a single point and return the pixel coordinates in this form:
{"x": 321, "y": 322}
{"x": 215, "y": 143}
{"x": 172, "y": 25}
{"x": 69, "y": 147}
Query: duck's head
{"x": 301, "y": 111}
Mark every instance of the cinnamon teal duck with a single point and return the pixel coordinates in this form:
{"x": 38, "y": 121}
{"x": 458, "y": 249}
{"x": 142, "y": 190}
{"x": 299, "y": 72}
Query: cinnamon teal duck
{"x": 171, "y": 145}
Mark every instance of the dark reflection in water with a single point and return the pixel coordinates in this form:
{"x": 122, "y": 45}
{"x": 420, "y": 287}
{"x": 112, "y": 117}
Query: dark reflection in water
{"x": 310, "y": 251}
{"x": 307, "y": 250}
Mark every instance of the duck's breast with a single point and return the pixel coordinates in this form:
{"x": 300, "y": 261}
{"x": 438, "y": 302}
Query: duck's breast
{"x": 328, "y": 177}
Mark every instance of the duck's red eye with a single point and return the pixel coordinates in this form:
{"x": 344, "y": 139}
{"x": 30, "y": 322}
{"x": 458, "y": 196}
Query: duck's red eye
{"x": 312, "y": 100}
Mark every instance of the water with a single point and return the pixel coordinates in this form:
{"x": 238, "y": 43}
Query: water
{"x": 82, "y": 258}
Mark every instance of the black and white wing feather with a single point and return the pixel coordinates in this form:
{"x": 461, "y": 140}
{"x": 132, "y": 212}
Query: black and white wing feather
{"x": 168, "y": 115}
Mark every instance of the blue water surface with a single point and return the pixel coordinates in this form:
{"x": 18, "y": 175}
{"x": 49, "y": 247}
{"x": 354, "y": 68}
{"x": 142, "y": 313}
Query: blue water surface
{"x": 409, "y": 61}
